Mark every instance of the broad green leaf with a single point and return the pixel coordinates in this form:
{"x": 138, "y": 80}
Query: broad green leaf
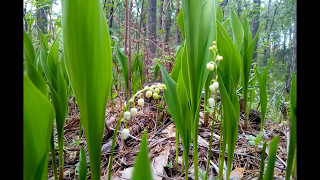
{"x": 30, "y": 65}
{"x": 87, "y": 51}
{"x": 231, "y": 63}
{"x": 247, "y": 50}
{"x": 237, "y": 29}
{"x": 38, "y": 116}
{"x": 262, "y": 81}
{"x": 82, "y": 165}
{"x": 226, "y": 23}
{"x": 123, "y": 60}
{"x": 219, "y": 14}
{"x": 142, "y": 166}
{"x": 180, "y": 22}
{"x": 271, "y": 158}
{"x": 177, "y": 64}
{"x": 231, "y": 115}
{"x": 293, "y": 128}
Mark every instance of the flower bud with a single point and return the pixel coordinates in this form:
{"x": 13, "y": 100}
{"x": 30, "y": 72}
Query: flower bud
{"x": 211, "y": 102}
{"x": 133, "y": 111}
{"x": 219, "y": 58}
{"x": 149, "y": 93}
{"x": 125, "y": 134}
{"x": 214, "y": 43}
{"x": 141, "y": 102}
{"x": 163, "y": 86}
{"x": 157, "y": 90}
{"x": 126, "y": 115}
{"x": 155, "y": 96}
{"x": 210, "y": 66}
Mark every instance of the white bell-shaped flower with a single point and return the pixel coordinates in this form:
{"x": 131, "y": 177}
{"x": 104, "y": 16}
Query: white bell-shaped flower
{"x": 211, "y": 102}
{"x": 126, "y": 115}
{"x": 133, "y": 111}
{"x": 141, "y": 102}
{"x": 125, "y": 134}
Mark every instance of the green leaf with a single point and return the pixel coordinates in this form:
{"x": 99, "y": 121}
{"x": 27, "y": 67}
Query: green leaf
{"x": 271, "y": 159}
{"x": 293, "y": 127}
{"x": 236, "y": 29}
{"x": 177, "y": 64}
{"x": 87, "y": 51}
{"x": 82, "y": 165}
{"x": 38, "y": 116}
{"x": 123, "y": 60}
{"x": 219, "y": 14}
{"x": 142, "y": 168}
{"x": 262, "y": 160}
{"x": 180, "y": 22}
{"x": 30, "y": 65}
{"x": 231, "y": 115}
{"x": 262, "y": 81}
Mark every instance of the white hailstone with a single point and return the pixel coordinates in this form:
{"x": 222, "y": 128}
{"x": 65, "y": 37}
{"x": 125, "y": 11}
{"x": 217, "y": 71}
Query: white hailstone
{"x": 149, "y": 93}
{"x": 126, "y": 115}
{"x": 219, "y": 58}
{"x": 133, "y": 111}
{"x": 210, "y": 66}
{"x": 125, "y": 134}
{"x": 141, "y": 102}
{"x": 211, "y": 102}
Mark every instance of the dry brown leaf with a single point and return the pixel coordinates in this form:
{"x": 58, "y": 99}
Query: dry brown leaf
{"x": 158, "y": 163}
{"x": 236, "y": 174}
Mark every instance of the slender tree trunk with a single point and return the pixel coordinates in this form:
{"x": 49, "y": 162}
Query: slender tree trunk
{"x": 152, "y": 30}
{"x": 293, "y": 64}
{"x": 160, "y": 19}
{"x": 178, "y": 42}
{"x": 266, "y": 55}
{"x": 129, "y": 44}
{"x": 126, "y": 27}
{"x": 42, "y": 18}
{"x": 255, "y": 25}
{"x": 162, "y": 25}
{"x": 168, "y": 22}
{"x": 111, "y": 17}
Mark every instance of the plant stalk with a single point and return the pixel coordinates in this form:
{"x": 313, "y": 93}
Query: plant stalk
{"x": 177, "y": 151}
{"x": 53, "y": 157}
{"x": 211, "y": 137}
{"x": 60, "y": 141}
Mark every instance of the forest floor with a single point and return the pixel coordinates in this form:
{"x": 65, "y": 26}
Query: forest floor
{"x": 162, "y": 148}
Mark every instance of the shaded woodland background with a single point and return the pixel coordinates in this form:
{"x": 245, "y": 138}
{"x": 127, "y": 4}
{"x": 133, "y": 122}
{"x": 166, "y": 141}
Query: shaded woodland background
{"x": 151, "y": 29}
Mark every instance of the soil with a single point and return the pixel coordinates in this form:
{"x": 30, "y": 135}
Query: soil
{"x": 161, "y": 136}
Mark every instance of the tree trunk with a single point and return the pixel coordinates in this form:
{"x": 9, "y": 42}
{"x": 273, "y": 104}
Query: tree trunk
{"x": 266, "y": 55}
{"x": 42, "y": 18}
{"x": 111, "y": 17}
{"x": 255, "y": 25}
{"x": 126, "y": 27}
{"x": 160, "y": 19}
{"x": 293, "y": 63}
{"x": 178, "y": 42}
{"x": 129, "y": 46}
{"x": 168, "y": 22}
{"x": 152, "y": 30}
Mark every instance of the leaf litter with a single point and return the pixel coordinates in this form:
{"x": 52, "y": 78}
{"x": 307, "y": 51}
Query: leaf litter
{"x": 161, "y": 137}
